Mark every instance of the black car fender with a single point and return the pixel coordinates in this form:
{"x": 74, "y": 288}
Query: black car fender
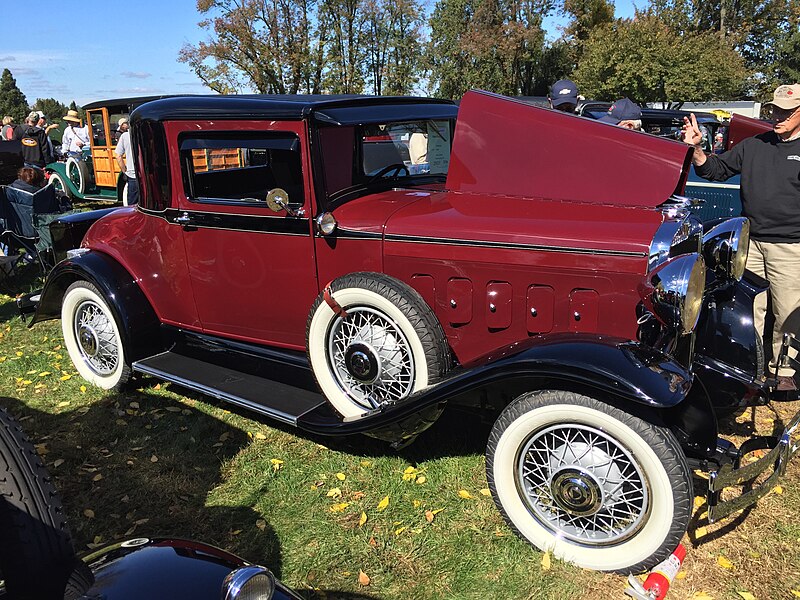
{"x": 637, "y": 378}
{"x": 139, "y": 325}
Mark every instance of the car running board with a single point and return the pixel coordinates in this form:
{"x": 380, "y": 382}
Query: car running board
{"x": 280, "y": 401}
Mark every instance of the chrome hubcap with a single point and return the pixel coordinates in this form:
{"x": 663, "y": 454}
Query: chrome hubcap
{"x": 582, "y": 484}
{"x": 370, "y": 357}
{"x": 96, "y": 339}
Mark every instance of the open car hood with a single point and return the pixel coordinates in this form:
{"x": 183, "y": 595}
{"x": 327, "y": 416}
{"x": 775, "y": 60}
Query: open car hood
{"x": 505, "y": 146}
{"x": 742, "y": 127}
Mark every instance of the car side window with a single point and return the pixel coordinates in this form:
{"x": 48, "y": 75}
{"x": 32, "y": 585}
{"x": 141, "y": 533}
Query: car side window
{"x": 241, "y": 167}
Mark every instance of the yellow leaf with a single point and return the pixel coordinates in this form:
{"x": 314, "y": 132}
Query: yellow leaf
{"x": 778, "y": 490}
{"x": 26, "y": 382}
{"x": 795, "y": 593}
{"x": 746, "y": 595}
{"x": 97, "y": 477}
{"x": 88, "y": 513}
{"x": 724, "y": 562}
{"x": 62, "y": 404}
{"x": 409, "y": 476}
{"x": 341, "y": 476}
{"x": 65, "y": 377}
{"x": 546, "y": 561}
{"x": 383, "y": 504}
{"x": 681, "y": 575}
{"x": 366, "y": 463}
{"x": 464, "y": 494}
{"x": 19, "y": 353}
{"x": 237, "y": 532}
{"x": 363, "y": 578}
{"x": 409, "y": 471}
{"x": 421, "y": 479}
{"x": 401, "y": 530}
{"x": 45, "y": 373}
{"x": 700, "y": 532}
{"x": 277, "y": 464}
{"x": 260, "y": 436}
{"x": 339, "y": 507}
{"x": 334, "y": 493}
{"x": 363, "y": 519}
{"x": 2, "y": 359}
{"x": 416, "y": 503}
{"x": 485, "y": 492}
{"x": 83, "y": 389}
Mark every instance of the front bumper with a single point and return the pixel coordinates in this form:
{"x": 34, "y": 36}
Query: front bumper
{"x": 781, "y": 451}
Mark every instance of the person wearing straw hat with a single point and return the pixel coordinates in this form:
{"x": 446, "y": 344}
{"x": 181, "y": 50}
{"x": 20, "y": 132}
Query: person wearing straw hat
{"x": 75, "y": 137}
{"x": 769, "y": 164}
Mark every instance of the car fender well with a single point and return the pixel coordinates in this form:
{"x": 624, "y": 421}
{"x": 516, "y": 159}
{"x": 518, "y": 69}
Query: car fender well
{"x": 620, "y": 372}
{"x": 140, "y": 325}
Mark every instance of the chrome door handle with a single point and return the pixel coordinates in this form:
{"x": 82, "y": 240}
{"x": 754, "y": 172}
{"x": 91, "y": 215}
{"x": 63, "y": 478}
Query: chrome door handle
{"x": 184, "y": 219}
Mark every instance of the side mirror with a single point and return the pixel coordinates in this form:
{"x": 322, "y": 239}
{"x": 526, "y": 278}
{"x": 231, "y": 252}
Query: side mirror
{"x": 278, "y": 200}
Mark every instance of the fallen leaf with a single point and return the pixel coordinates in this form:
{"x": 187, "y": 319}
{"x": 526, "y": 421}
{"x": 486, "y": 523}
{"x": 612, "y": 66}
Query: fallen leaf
{"x": 778, "y": 490}
{"x": 341, "y": 476}
{"x": 358, "y": 495}
{"x": 62, "y": 404}
{"x": 141, "y": 521}
{"x": 362, "y": 520}
{"x": 416, "y": 503}
{"x": 334, "y": 493}
{"x": 421, "y": 479}
{"x": 171, "y": 408}
{"x": 97, "y": 477}
{"x": 237, "y": 532}
{"x": 339, "y": 507}
{"x": 58, "y": 462}
{"x": 261, "y": 524}
{"x": 401, "y": 530}
{"x": 45, "y": 373}
{"x": 795, "y": 593}
{"x": 724, "y": 562}
{"x": 700, "y": 532}
{"x": 383, "y": 504}
{"x": 98, "y": 539}
{"x": 154, "y": 459}
{"x": 66, "y": 377}
{"x": 363, "y": 578}
{"x": 88, "y": 513}
{"x": 546, "y": 561}
{"x": 372, "y": 542}
{"x": 277, "y": 464}
{"x": 224, "y": 437}
{"x": 746, "y": 595}
{"x": 260, "y": 436}
{"x": 366, "y": 463}
{"x": 134, "y": 405}
{"x": 83, "y": 389}
{"x": 485, "y": 492}
{"x": 464, "y": 494}
{"x": 681, "y": 575}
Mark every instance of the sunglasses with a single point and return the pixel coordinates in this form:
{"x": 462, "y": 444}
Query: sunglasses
{"x": 781, "y": 114}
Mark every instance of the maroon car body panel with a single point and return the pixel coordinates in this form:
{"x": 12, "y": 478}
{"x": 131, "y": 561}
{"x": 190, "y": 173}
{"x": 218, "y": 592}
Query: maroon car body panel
{"x": 742, "y": 127}
{"x": 507, "y": 147}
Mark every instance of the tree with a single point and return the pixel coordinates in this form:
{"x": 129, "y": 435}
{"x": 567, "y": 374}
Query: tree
{"x": 647, "y": 61}
{"x": 258, "y": 45}
{"x": 394, "y": 53}
{"x": 12, "y": 100}
{"x": 586, "y": 15}
{"x": 489, "y": 44}
{"x": 346, "y": 56}
{"x": 51, "y": 107}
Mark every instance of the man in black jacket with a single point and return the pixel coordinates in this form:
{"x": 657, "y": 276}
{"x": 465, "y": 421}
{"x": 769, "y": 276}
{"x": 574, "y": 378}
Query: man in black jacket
{"x": 35, "y": 145}
{"x": 770, "y": 187}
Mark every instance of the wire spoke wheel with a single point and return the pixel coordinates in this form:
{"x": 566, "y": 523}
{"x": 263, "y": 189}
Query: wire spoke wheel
{"x": 583, "y": 484}
{"x": 370, "y": 357}
{"x": 96, "y": 338}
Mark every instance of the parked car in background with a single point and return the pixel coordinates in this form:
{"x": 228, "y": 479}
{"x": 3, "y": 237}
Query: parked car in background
{"x": 357, "y": 264}
{"x": 38, "y": 562}
{"x": 96, "y": 174}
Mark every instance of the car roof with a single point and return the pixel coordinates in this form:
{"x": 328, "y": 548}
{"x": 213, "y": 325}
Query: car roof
{"x": 125, "y": 104}
{"x": 651, "y": 115}
{"x": 333, "y": 109}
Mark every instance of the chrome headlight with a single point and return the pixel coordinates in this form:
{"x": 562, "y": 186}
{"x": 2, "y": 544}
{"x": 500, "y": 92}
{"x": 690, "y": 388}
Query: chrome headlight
{"x": 249, "y": 583}
{"x": 675, "y": 291}
{"x": 725, "y": 248}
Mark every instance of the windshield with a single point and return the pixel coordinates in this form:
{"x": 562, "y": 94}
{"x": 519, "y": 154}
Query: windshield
{"x": 405, "y": 149}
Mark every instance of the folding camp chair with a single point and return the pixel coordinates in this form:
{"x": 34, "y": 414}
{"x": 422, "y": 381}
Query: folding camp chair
{"x": 25, "y": 217}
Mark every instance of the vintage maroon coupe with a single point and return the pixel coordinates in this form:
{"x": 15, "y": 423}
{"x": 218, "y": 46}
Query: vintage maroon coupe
{"x": 354, "y": 265}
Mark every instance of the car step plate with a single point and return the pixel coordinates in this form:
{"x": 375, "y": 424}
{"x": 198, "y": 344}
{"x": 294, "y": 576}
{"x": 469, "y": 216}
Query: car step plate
{"x": 277, "y": 400}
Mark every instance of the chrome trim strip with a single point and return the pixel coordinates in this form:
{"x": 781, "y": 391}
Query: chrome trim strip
{"x": 196, "y": 219}
{"x": 724, "y": 186}
{"x": 510, "y": 246}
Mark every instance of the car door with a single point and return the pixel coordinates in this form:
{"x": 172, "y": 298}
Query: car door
{"x": 252, "y": 268}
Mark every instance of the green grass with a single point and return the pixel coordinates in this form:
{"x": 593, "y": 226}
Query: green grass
{"x": 158, "y": 460}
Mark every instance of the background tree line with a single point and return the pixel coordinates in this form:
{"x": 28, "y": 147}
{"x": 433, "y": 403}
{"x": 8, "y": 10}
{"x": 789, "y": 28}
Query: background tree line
{"x": 14, "y": 104}
{"x": 671, "y": 50}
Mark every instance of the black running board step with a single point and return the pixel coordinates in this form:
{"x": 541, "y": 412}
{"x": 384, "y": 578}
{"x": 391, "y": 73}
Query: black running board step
{"x": 272, "y": 398}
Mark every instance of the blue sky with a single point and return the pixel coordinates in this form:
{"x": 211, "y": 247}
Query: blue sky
{"x": 91, "y": 50}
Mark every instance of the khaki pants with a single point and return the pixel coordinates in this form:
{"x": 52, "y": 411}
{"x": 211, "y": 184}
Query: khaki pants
{"x": 780, "y": 265}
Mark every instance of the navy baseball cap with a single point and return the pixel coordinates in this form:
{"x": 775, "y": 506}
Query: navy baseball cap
{"x": 622, "y": 110}
{"x": 563, "y": 91}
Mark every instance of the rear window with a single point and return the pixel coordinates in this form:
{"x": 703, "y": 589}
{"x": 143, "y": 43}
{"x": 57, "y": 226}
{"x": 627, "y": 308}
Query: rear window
{"x": 237, "y": 167}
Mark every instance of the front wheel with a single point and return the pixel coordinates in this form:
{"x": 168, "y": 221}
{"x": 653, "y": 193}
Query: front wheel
{"x": 595, "y": 485}
{"x": 92, "y": 337}
{"x": 60, "y": 185}
{"x": 78, "y": 172}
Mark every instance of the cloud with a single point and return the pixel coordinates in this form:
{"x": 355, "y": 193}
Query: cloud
{"x": 7, "y": 59}
{"x": 135, "y": 74}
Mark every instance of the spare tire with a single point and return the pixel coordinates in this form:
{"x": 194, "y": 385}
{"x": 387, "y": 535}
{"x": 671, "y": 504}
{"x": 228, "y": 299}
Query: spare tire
{"x": 36, "y": 553}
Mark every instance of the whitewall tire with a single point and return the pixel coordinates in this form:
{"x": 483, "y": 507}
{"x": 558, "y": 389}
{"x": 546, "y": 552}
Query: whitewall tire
{"x": 78, "y": 172}
{"x": 593, "y": 484}
{"x": 388, "y": 346}
{"x": 92, "y": 337}
{"x": 58, "y": 182}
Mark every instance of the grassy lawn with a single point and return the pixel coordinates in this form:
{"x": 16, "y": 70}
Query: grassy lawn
{"x": 158, "y": 460}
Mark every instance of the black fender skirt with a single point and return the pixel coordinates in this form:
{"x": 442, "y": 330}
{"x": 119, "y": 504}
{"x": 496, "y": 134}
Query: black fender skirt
{"x": 615, "y": 370}
{"x": 139, "y": 325}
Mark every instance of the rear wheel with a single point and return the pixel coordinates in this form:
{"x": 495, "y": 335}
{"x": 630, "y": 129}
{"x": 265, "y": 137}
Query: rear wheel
{"x": 36, "y": 553}
{"x": 595, "y": 485}
{"x": 92, "y": 337}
